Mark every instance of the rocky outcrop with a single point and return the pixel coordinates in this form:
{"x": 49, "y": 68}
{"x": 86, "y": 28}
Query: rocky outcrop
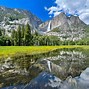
{"x": 66, "y": 28}
{"x": 85, "y": 75}
{"x": 11, "y": 18}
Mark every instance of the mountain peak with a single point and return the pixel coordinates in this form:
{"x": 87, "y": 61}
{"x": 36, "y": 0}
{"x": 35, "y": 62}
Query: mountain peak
{"x": 61, "y": 14}
{"x": 11, "y": 18}
{"x": 64, "y": 27}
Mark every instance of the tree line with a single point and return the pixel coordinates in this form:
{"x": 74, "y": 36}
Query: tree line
{"x": 24, "y": 36}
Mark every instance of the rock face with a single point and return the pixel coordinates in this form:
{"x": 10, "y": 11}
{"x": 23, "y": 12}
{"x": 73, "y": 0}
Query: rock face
{"x": 11, "y": 18}
{"x": 66, "y": 28}
{"x": 69, "y": 28}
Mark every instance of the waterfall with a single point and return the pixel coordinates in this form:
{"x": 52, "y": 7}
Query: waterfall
{"x": 49, "y": 26}
{"x": 49, "y": 66}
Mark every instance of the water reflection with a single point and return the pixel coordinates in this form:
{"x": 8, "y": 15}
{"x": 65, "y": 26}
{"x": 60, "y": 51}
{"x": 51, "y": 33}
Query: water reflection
{"x": 47, "y": 80}
{"x": 21, "y": 69}
{"x": 72, "y": 62}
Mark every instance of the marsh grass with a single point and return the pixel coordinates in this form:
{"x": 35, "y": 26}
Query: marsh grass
{"x": 9, "y": 51}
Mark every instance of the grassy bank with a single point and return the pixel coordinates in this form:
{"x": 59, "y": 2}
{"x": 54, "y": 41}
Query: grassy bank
{"x": 6, "y": 51}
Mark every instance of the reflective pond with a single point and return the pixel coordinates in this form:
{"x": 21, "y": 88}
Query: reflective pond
{"x": 22, "y": 68}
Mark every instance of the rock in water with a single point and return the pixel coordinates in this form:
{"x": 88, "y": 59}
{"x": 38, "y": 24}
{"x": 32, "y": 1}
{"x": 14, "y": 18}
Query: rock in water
{"x": 48, "y": 81}
{"x": 44, "y": 81}
{"x": 85, "y": 74}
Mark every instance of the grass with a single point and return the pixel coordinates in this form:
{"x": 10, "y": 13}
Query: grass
{"x": 6, "y": 51}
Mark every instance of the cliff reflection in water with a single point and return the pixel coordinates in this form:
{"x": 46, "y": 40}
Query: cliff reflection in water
{"x": 63, "y": 63}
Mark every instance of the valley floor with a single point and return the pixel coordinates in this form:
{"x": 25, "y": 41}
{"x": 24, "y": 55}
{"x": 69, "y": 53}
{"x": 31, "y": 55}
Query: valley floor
{"x": 6, "y": 51}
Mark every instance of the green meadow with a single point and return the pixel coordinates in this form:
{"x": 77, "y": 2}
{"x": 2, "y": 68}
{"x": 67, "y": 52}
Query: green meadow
{"x": 6, "y": 51}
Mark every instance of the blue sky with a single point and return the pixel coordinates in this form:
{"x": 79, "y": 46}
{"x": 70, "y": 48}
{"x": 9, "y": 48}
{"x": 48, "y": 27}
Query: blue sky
{"x": 46, "y": 9}
{"x": 35, "y": 6}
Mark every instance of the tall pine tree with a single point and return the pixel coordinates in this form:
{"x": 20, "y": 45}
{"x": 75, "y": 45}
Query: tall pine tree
{"x": 22, "y": 31}
{"x": 19, "y": 36}
{"x": 27, "y": 35}
{"x": 0, "y": 32}
{"x": 22, "y": 35}
{"x": 13, "y": 37}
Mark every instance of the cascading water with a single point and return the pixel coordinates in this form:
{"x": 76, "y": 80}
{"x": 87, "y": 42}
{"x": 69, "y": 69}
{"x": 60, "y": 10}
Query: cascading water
{"x": 49, "y": 26}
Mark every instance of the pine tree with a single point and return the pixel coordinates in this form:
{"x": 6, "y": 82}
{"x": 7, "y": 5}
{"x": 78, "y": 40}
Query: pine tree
{"x": 27, "y": 35}
{"x": 22, "y": 31}
{"x": 36, "y": 33}
{"x": 22, "y": 35}
{"x": 19, "y": 35}
{"x": 4, "y": 32}
{"x": 0, "y": 32}
{"x": 13, "y": 34}
{"x": 13, "y": 37}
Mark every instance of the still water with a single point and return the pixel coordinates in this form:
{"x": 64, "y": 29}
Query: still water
{"x": 20, "y": 70}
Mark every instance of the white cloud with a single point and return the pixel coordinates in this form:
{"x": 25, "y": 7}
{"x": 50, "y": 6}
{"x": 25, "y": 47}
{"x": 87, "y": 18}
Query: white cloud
{"x": 73, "y": 7}
{"x": 85, "y": 17}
